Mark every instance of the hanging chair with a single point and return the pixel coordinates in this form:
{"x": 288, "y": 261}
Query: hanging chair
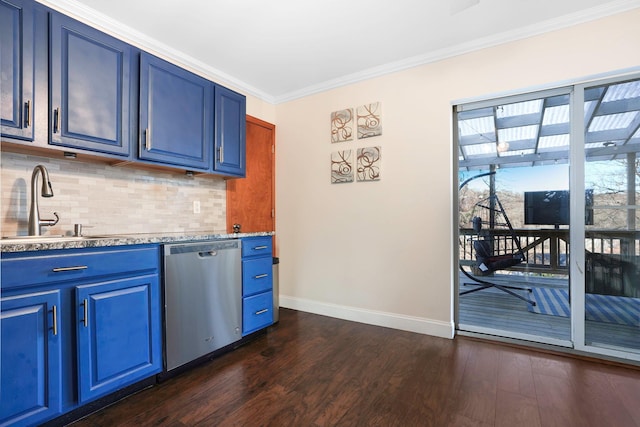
{"x": 495, "y": 245}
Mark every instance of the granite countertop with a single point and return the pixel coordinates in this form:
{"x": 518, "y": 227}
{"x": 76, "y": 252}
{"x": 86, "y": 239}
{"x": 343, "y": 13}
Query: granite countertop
{"x": 25, "y": 243}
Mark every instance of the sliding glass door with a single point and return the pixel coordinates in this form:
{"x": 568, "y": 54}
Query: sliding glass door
{"x": 612, "y": 238}
{"x": 514, "y": 217}
{"x": 548, "y": 220}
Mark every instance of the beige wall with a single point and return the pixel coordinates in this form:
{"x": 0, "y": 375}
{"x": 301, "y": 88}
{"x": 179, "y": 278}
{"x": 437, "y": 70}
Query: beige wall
{"x": 381, "y": 252}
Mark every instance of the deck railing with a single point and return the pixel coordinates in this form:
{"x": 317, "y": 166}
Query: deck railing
{"x": 612, "y": 256}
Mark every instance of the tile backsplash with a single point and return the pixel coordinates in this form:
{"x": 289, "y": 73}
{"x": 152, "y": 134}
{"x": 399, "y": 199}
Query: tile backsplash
{"x": 109, "y": 199}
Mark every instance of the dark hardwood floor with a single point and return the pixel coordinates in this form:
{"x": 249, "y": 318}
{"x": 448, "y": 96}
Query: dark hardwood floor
{"x": 312, "y": 370}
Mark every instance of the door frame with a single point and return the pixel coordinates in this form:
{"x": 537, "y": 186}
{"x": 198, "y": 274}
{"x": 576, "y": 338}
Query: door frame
{"x": 577, "y": 185}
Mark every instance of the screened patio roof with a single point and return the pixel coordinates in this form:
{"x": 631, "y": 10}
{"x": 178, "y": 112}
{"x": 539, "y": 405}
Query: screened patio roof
{"x": 537, "y": 132}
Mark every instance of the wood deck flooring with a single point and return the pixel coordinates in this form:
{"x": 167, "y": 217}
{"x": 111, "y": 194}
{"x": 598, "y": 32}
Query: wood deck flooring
{"x": 311, "y": 370}
{"x": 494, "y": 309}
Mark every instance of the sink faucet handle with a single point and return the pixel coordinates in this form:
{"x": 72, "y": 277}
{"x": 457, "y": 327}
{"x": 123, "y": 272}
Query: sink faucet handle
{"x": 50, "y": 222}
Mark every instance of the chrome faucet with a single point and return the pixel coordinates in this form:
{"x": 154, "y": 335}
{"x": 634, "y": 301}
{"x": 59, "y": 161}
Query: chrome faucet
{"x": 47, "y": 191}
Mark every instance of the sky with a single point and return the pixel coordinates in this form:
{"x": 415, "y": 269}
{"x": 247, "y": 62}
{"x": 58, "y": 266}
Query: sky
{"x": 551, "y": 177}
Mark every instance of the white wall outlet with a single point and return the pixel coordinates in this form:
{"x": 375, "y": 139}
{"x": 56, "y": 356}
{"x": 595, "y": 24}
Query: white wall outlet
{"x": 196, "y": 206}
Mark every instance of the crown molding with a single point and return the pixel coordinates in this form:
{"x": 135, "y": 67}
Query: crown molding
{"x": 117, "y": 29}
{"x": 464, "y": 48}
{"x": 148, "y": 44}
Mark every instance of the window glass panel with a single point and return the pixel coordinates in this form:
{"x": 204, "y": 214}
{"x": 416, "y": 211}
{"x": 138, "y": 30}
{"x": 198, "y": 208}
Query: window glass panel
{"x": 514, "y": 251}
{"x": 612, "y": 238}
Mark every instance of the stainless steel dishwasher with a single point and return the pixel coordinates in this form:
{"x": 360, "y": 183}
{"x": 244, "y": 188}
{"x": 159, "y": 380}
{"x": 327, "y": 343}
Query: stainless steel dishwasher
{"x": 203, "y": 298}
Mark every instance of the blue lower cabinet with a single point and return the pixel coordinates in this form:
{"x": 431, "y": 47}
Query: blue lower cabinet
{"x": 118, "y": 334}
{"x": 257, "y": 312}
{"x": 76, "y": 325}
{"x": 257, "y": 283}
{"x": 30, "y": 358}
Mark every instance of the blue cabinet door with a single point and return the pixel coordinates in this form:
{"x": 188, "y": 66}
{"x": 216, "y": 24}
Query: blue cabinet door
{"x": 30, "y": 358}
{"x": 17, "y": 68}
{"x": 119, "y": 334}
{"x": 230, "y": 140}
{"x": 176, "y": 115}
{"x": 90, "y": 88}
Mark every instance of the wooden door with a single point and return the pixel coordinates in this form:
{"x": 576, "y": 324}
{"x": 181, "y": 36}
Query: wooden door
{"x": 251, "y": 201}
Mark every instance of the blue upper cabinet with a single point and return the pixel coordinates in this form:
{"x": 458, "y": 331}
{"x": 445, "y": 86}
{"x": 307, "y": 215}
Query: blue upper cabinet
{"x": 176, "y": 115}
{"x": 89, "y": 88}
{"x": 17, "y": 49}
{"x": 230, "y": 141}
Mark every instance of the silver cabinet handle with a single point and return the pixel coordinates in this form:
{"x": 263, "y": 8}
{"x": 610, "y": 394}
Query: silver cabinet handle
{"x": 221, "y": 154}
{"x": 27, "y": 114}
{"x": 85, "y": 303}
{"x": 261, "y": 276}
{"x": 259, "y": 248}
{"x": 77, "y": 267}
{"x": 264, "y": 310}
{"x": 56, "y": 120}
{"x": 54, "y": 309}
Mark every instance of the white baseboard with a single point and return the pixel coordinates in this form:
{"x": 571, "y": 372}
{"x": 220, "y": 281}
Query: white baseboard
{"x": 420, "y": 325}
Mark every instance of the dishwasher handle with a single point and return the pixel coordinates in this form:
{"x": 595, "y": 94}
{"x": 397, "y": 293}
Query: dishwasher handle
{"x": 207, "y": 254}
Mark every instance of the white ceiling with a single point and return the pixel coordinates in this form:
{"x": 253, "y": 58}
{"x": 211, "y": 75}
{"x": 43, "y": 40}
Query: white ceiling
{"x": 284, "y": 49}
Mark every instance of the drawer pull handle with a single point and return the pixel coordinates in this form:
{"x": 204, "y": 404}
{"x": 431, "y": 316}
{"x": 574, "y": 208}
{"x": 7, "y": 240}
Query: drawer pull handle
{"x": 77, "y": 267}
{"x": 261, "y": 276}
{"x": 85, "y": 303}
{"x": 54, "y": 309}
{"x": 264, "y": 310}
{"x": 259, "y": 248}
{"x": 27, "y": 114}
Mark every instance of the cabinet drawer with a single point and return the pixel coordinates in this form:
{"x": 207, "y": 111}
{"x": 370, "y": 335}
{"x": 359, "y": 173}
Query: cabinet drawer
{"x": 257, "y": 312}
{"x": 259, "y": 246}
{"x": 257, "y": 275}
{"x": 72, "y": 265}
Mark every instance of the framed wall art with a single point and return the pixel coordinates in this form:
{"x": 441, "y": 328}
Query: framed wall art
{"x": 342, "y": 125}
{"x": 342, "y": 166}
{"x": 368, "y": 163}
{"x": 369, "y": 120}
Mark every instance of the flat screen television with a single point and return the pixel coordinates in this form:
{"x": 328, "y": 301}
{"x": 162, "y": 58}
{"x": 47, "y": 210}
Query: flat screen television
{"x": 552, "y": 207}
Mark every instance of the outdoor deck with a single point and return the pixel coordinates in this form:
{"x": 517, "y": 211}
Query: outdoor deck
{"x": 494, "y": 309}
